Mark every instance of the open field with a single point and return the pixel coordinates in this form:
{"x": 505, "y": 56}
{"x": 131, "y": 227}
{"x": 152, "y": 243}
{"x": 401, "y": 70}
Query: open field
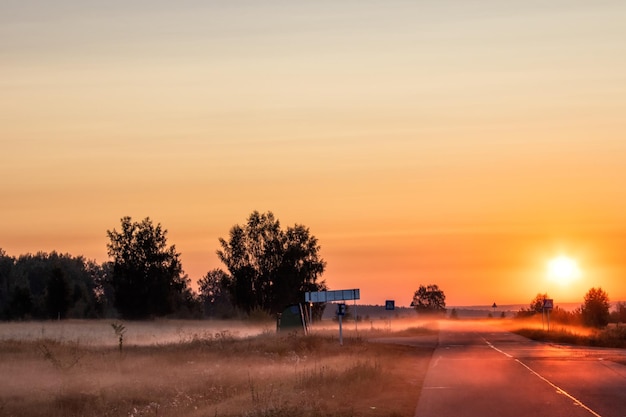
{"x": 143, "y": 333}
{"x": 206, "y": 369}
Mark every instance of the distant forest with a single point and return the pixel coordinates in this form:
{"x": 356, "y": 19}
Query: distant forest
{"x": 45, "y": 286}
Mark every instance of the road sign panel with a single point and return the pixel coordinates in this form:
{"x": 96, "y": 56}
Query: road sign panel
{"x": 341, "y": 309}
{"x": 327, "y": 296}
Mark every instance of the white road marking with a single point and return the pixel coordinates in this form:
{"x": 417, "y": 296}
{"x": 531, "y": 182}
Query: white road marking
{"x": 557, "y": 388}
{"x": 496, "y": 349}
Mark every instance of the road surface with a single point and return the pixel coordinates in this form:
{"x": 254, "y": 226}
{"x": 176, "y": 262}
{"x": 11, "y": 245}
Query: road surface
{"x": 480, "y": 370}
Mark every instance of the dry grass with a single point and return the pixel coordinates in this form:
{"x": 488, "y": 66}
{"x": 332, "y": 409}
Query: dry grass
{"x": 212, "y": 374}
{"x": 612, "y": 337}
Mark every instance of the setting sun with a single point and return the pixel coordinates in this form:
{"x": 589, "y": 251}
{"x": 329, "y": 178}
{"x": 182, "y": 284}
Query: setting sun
{"x": 563, "y": 270}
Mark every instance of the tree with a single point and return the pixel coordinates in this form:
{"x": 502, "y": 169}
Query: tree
{"x": 58, "y": 294}
{"x": 595, "y": 310}
{"x": 6, "y": 267}
{"x": 429, "y": 299}
{"x": 56, "y": 283}
{"x": 214, "y": 294}
{"x": 47, "y": 285}
{"x": 269, "y": 267}
{"x": 536, "y": 305}
{"x": 104, "y": 294}
{"x": 619, "y": 315}
{"x": 147, "y": 276}
{"x": 21, "y": 304}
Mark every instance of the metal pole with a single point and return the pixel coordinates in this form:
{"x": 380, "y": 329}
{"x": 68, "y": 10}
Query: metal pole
{"x": 340, "y": 332}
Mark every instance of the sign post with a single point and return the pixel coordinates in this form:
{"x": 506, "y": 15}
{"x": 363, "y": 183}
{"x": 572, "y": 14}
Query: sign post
{"x": 390, "y": 305}
{"x": 548, "y": 304}
{"x": 337, "y": 295}
{"x": 341, "y": 311}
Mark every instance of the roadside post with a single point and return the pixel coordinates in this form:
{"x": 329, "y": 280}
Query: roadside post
{"x": 548, "y": 304}
{"x": 390, "y": 305}
{"x": 341, "y": 311}
{"x": 336, "y": 295}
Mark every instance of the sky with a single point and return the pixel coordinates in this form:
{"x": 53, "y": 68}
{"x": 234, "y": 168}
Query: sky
{"x": 462, "y": 143}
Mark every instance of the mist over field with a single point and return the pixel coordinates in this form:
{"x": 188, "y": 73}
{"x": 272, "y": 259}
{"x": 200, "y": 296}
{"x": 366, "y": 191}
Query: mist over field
{"x": 199, "y": 368}
{"x": 138, "y": 333}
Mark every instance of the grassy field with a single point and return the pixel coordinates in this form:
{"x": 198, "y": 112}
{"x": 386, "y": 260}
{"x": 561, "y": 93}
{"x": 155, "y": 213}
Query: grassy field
{"x": 189, "y": 369}
{"x": 611, "y": 337}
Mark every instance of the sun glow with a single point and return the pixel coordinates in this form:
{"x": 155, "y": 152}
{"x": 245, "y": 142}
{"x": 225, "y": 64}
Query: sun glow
{"x": 563, "y": 270}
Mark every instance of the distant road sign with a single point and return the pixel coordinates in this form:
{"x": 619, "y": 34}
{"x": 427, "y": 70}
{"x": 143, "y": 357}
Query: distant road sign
{"x": 390, "y": 305}
{"x": 548, "y": 304}
{"x": 337, "y": 295}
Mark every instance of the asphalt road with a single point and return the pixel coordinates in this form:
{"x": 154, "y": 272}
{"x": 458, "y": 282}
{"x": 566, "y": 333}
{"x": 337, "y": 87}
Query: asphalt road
{"x": 479, "y": 370}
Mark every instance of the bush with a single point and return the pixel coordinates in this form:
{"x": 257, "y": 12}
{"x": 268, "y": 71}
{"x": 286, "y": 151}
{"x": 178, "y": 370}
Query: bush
{"x": 595, "y": 310}
{"x": 614, "y": 337}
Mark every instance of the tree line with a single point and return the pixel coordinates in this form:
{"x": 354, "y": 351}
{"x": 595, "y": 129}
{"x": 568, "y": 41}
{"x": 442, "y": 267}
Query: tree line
{"x": 267, "y": 267}
{"x": 595, "y": 311}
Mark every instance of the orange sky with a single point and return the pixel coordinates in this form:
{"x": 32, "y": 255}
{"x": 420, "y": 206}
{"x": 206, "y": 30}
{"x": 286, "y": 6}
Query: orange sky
{"x": 438, "y": 142}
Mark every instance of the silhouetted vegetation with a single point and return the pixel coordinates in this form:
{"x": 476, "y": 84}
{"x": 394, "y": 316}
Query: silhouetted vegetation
{"x": 595, "y": 310}
{"x": 214, "y": 295}
{"x": 535, "y": 307}
{"x": 269, "y": 267}
{"x": 47, "y": 286}
{"x": 619, "y": 314}
{"x": 119, "y": 330}
{"x": 147, "y": 276}
{"x": 429, "y": 299}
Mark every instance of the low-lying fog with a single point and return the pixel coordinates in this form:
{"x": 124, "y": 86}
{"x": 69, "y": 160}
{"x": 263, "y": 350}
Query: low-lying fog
{"x": 138, "y": 333}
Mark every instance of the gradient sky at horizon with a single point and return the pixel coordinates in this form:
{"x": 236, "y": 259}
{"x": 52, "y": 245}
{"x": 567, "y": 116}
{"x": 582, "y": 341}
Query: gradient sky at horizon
{"x": 461, "y": 143}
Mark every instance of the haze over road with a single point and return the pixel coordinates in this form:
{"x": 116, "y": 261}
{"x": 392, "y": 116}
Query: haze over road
{"x": 482, "y": 370}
